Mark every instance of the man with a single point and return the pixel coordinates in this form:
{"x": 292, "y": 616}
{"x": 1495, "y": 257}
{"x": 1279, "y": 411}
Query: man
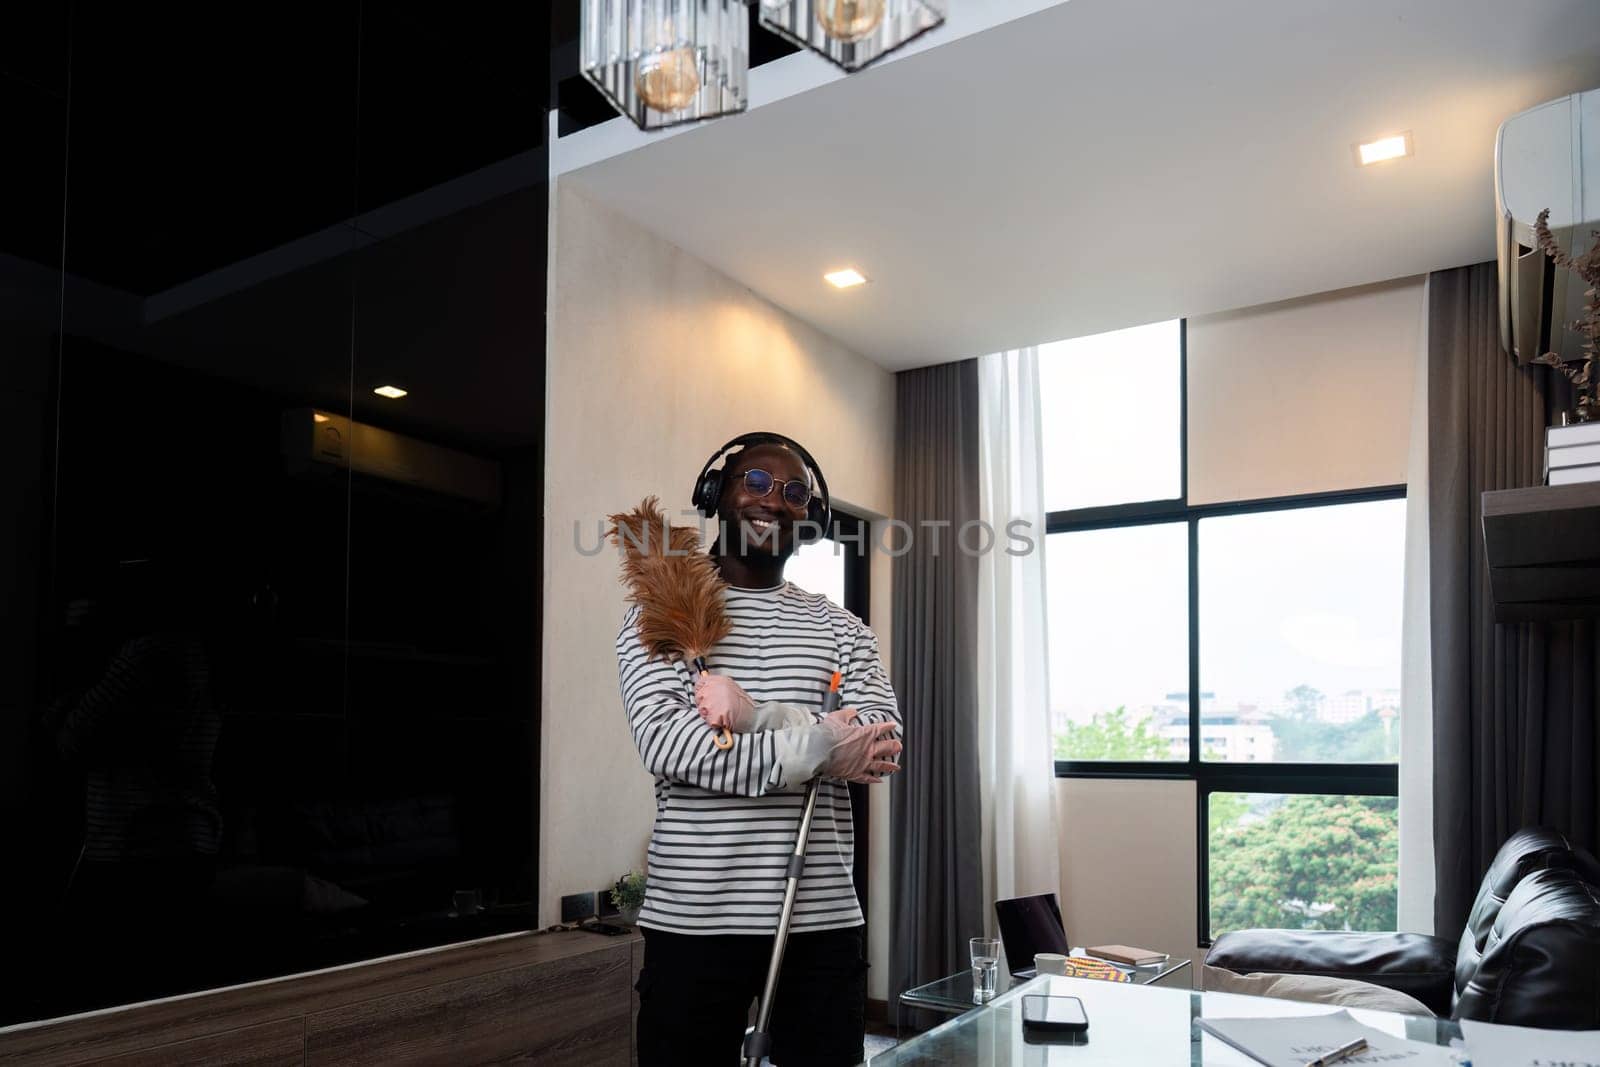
{"x": 726, "y": 819}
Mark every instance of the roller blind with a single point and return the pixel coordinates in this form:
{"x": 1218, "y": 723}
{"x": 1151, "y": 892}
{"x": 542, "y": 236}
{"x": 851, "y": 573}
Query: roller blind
{"x": 1304, "y": 396}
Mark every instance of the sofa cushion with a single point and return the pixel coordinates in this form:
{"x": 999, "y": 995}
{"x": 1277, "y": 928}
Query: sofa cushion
{"x": 1541, "y": 959}
{"x": 1315, "y": 988}
{"x": 1415, "y": 964}
{"x": 1525, "y": 851}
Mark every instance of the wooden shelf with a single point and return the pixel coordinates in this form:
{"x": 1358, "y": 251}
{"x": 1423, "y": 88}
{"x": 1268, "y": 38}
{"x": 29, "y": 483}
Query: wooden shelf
{"x": 1543, "y": 550}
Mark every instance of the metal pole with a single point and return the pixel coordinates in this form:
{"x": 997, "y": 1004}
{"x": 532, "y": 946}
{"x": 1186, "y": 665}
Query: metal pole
{"x": 758, "y": 1042}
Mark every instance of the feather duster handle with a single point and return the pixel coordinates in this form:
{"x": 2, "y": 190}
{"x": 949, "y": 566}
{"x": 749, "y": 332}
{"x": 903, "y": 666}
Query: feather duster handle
{"x": 676, "y": 587}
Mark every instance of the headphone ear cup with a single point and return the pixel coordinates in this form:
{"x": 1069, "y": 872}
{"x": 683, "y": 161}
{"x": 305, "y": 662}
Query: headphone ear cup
{"x": 814, "y": 515}
{"x": 709, "y": 493}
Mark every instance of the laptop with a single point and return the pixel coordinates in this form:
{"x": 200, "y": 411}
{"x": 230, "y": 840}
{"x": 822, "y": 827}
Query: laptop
{"x": 1030, "y": 925}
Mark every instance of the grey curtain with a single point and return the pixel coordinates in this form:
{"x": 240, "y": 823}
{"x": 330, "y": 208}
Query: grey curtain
{"x": 937, "y": 865}
{"x": 1514, "y": 706}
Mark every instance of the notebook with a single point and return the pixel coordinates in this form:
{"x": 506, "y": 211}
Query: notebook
{"x": 1292, "y": 1041}
{"x": 1028, "y": 926}
{"x": 1126, "y": 954}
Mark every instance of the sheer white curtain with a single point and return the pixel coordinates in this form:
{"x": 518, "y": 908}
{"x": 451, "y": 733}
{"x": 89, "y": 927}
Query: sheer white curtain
{"x": 1416, "y": 877}
{"x": 1016, "y": 759}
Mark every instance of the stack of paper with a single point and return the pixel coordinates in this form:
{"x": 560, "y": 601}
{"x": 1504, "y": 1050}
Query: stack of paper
{"x": 1294, "y": 1041}
{"x": 1493, "y": 1045}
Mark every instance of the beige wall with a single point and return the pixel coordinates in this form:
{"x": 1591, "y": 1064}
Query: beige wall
{"x": 1303, "y": 396}
{"x": 654, "y": 360}
{"x": 1128, "y": 864}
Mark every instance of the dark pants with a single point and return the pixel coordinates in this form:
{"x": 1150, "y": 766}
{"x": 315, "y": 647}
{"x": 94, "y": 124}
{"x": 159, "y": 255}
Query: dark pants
{"x": 695, "y": 994}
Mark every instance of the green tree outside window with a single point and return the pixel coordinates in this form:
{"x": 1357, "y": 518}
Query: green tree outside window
{"x": 1110, "y": 736}
{"x": 1304, "y": 862}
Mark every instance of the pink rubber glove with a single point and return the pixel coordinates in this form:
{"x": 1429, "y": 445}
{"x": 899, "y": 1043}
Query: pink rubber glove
{"x": 723, "y": 703}
{"x": 836, "y": 746}
{"x": 860, "y": 753}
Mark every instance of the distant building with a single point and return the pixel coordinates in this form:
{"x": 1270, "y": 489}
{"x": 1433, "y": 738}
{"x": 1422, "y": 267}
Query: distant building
{"x": 1230, "y": 734}
{"x": 1388, "y": 715}
{"x": 1351, "y": 706}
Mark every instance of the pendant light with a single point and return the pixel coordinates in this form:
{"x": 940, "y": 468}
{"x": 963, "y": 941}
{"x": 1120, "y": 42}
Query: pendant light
{"x": 851, "y": 33}
{"x": 662, "y": 62}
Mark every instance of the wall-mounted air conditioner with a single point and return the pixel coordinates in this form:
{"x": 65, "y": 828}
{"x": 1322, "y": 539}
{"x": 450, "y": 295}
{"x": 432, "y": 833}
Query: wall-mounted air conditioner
{"x": 1545, "y": 157}
{"x": 321, "y": 440}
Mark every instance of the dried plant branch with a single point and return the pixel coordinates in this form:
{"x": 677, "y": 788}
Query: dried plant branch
{"x": 1579, "y": 370}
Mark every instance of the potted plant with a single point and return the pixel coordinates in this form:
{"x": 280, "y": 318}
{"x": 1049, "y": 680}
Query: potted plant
{"x": 628, "y": 896}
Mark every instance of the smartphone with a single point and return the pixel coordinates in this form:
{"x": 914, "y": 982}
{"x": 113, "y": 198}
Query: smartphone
{"x": 1063, "y": 1015}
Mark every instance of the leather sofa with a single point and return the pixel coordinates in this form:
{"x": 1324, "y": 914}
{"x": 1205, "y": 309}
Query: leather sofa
{"x": 1529, "y": 955}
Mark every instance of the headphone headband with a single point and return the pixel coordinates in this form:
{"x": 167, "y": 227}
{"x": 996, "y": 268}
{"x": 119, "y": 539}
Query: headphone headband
{"x": 706, "y": 493}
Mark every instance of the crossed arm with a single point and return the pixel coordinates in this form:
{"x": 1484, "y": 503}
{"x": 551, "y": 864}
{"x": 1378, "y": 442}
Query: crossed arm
{"x": 780, "y": 754}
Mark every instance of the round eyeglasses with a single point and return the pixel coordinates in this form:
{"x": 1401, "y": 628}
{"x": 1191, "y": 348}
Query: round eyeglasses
{"x": 758, "y": 483}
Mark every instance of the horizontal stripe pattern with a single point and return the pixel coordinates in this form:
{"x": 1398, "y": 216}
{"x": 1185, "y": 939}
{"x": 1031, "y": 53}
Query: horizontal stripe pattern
{"x": 145, "y": 734}
{"x": 725, "y": 825}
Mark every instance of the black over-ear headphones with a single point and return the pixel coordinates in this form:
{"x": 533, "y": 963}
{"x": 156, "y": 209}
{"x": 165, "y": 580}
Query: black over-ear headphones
{"x": 708, "y": 486}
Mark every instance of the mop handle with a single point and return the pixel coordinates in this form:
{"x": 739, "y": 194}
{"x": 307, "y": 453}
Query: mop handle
{"x": 724, "y": 740}
{"x": 758, "y": 1042}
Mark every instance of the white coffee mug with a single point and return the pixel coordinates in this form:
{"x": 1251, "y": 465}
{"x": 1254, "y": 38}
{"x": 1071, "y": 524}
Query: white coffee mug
{"x": 1049, "y": 963}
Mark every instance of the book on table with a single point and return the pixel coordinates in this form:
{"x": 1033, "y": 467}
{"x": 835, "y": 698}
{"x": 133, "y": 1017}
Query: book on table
{"x": 1295, "y": 1040}
{"x": 1128, "y": 955}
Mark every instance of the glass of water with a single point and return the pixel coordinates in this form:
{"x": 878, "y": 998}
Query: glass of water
{"x": 985, "y": 968}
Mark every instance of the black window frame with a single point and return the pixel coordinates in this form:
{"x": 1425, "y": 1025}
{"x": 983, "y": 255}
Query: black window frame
{"x": 1348, "y": 779}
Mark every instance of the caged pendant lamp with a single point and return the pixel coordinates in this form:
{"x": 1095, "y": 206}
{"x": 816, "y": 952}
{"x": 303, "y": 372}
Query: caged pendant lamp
{"x": 852, "y": 33}
{"x": 663, "y": 62}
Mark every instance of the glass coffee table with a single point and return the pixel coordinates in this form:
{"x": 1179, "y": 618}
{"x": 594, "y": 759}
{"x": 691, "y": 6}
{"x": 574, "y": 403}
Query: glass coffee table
{"x": 953, "y": 995}
{"x": 1128, "y": 1024}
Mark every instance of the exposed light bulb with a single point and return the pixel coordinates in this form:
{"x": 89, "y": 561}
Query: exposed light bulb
{"x": 669, "y": 80}
{"x": 849, "y": 20}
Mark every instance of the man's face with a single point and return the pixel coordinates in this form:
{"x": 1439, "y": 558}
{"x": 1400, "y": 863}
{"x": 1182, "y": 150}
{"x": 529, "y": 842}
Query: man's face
{"x": 760, "y": 525}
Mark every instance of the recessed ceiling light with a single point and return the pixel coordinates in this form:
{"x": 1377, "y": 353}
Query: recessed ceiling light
{"x": 846, "y": 278}
{"x": 1392, "y": 147}
{"x": 393, "y": 392}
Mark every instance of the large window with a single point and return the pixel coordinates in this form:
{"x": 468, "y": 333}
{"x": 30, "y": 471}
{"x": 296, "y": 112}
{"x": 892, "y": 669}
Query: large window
{"x": 1119, "y": 642}
{"x": 1252, "y": 646}
{"x": 1300, "y": 634}
{"x": 1135, "y": 444}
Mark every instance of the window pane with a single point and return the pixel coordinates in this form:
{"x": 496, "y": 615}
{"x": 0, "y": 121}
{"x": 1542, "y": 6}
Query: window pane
{"x": 1309, "y": 862}
{"x": 1119, "y": 642}
{"x": 1300, "y": 634}
{"x": 819, "y": 568}
{"x": 1112, "y": 421}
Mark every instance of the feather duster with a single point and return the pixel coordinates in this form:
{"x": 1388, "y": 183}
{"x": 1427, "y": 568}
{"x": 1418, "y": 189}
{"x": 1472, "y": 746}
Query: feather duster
{"x": 676, "y": 586}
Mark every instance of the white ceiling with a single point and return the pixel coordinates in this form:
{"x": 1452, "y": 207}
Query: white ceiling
{"x": 1103, "y": 163}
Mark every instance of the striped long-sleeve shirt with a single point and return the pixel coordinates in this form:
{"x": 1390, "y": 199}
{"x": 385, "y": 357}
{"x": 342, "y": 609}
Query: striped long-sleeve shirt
{"x": 726, "y": 820}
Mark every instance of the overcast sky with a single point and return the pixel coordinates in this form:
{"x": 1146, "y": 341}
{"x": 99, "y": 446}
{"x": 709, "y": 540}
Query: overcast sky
{"x": 1288, "y": 598}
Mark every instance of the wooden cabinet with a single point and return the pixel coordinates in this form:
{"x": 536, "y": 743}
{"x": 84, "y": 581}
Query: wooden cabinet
{"x": 533, "y": 998}
{"x": 1543, "y": 549}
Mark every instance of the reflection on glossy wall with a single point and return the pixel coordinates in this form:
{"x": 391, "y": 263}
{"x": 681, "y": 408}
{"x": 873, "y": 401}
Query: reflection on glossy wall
{"x": 268, "y": 698}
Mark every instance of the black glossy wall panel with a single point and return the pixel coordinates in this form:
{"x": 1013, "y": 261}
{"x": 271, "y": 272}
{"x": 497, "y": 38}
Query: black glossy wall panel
{"x": 268, "y": 695}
